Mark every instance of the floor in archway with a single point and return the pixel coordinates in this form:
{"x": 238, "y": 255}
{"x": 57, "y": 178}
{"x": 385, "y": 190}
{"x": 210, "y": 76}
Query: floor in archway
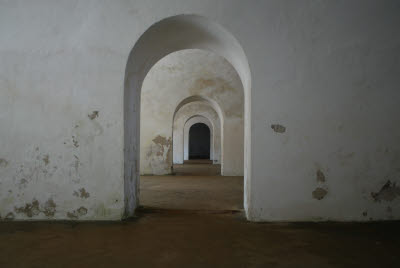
{"x": 197, "y": 168}
{"x": 195, "y": 186}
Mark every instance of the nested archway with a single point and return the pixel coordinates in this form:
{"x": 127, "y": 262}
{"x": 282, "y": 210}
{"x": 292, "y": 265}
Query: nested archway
{"x": 164, "y": 37}
{"x": 192, "y": 109}
{"x": 198, "y": 119}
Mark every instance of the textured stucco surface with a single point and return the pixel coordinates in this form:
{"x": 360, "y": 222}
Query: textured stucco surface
{"x": 327, "y": 71}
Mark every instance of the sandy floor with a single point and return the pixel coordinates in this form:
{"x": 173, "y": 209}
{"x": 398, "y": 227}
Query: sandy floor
{"x": 197, "y": 221}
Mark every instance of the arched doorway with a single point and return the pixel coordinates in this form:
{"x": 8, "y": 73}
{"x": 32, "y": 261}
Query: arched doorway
{"x": 162, "y": 38}
{"x": 199, "y": 141}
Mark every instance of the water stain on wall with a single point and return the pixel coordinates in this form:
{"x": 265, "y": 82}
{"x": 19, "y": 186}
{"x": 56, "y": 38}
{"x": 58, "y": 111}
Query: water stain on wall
{"x": 3, "y": 162}
{"x": 160, "y": 154}
{"x": 75, "y": 214}
{"x": 319, "y": 193}
{"x": 219, "y": 89}
{"x": 46, "y": 159}
{"x": 278, "y": 128}
{"x": 49, "y": 208}
{"x": 34, "y": 209}
{"x": 388, "y": 192}
{"x": 30, "y": 209}
{"x": 320, "y": 176}
{"x": 93, "y": 115}
{"x": 82, "y": 193}
{"x": 10, "y": 216}
{"x": 75, "y": 141}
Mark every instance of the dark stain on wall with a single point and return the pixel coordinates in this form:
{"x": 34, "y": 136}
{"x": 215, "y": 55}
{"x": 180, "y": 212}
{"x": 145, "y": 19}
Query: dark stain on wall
{"x": 278, "y": 128}
{"x": 33, "y": 208}
{"x": 76, "y": 213}
{"x": 49, "y": 208}
{"x": 388, "y": 192}
{"x": 72, "y": 215}
{"x": 319, "y": 193}
{"x": 320, "y": 176}
{"x": 82, "y": 193}
{"x": 161, "y": 142}
{"x": 82, "y": 211}
{"x": 9, "y": 217}
{"x": 75, "y": 141}
{"x": 93, "y": 115}
{"x": 46, "y": 159}
{"x": 3, "y": 162}
{"x": 30, "y": 209}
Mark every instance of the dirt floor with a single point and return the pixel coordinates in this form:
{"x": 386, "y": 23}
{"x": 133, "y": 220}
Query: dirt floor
{"x": 181, "y": 226}
{"x": 188, "y": 239}
{"x": 192, "y": 192}
{"x": 197, "y": 168}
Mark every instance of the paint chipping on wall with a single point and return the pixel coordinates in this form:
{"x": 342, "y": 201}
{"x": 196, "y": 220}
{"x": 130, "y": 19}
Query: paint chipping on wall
{"x": 46, "y": 159}
{"x": 93, "y": 115}
{"x": 10, "y": 216}
{"x": 30, "y": 209}
{"x": 159, "y": 155}
{"x": 320, "y": 176}
{"x": 75, "y": 141}
{"x": 33, "y": 208}
{"x": 3, "y": 162}
{"x": 49, "y": 208}
{"x": 388, "y": 192}
{"x": 77, "y": 213}
{"x": 278, "y": 128}
{"x": 82, "y": 193}
{"x": 319, "y": 193}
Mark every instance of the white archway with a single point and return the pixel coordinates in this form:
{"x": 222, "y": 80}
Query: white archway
{"x": 164, "y": 37}
{"x": 185, "y": 111}
{"x": 189, "y": 123}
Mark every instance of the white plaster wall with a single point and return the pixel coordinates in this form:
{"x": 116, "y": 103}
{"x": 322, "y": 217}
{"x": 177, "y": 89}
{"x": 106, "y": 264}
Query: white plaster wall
{"x": 188, "y": 125}
{"x": 326, "y": 70}
{"x": 195, "y": 110}
{"x": 172, "y": 80}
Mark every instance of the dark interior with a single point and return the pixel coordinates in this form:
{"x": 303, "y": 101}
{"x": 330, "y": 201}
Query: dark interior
{"x": 199, "y": 141}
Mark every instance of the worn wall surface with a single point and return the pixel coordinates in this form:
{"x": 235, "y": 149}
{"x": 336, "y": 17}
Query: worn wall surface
{"x": 172, "y": 80}
{"x": 324, "y": 140}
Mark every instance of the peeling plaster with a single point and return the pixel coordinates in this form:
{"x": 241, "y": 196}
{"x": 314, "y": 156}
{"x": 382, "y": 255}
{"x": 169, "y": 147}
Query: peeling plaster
{"x": 93, "y": 115}
{"x": 75, "y": 214}
{"x": 319, "y": 193}
{"x": 159, "y": 155}
{"x": 3, "y": 162}
{"x": 278, "y": 128}
{"x": 320, "y": 176}
{"x": 33, "y": 209}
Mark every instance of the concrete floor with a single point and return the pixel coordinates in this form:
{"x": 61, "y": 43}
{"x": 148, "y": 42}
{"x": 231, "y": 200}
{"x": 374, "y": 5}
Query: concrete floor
{"x": 180, "y": 225}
